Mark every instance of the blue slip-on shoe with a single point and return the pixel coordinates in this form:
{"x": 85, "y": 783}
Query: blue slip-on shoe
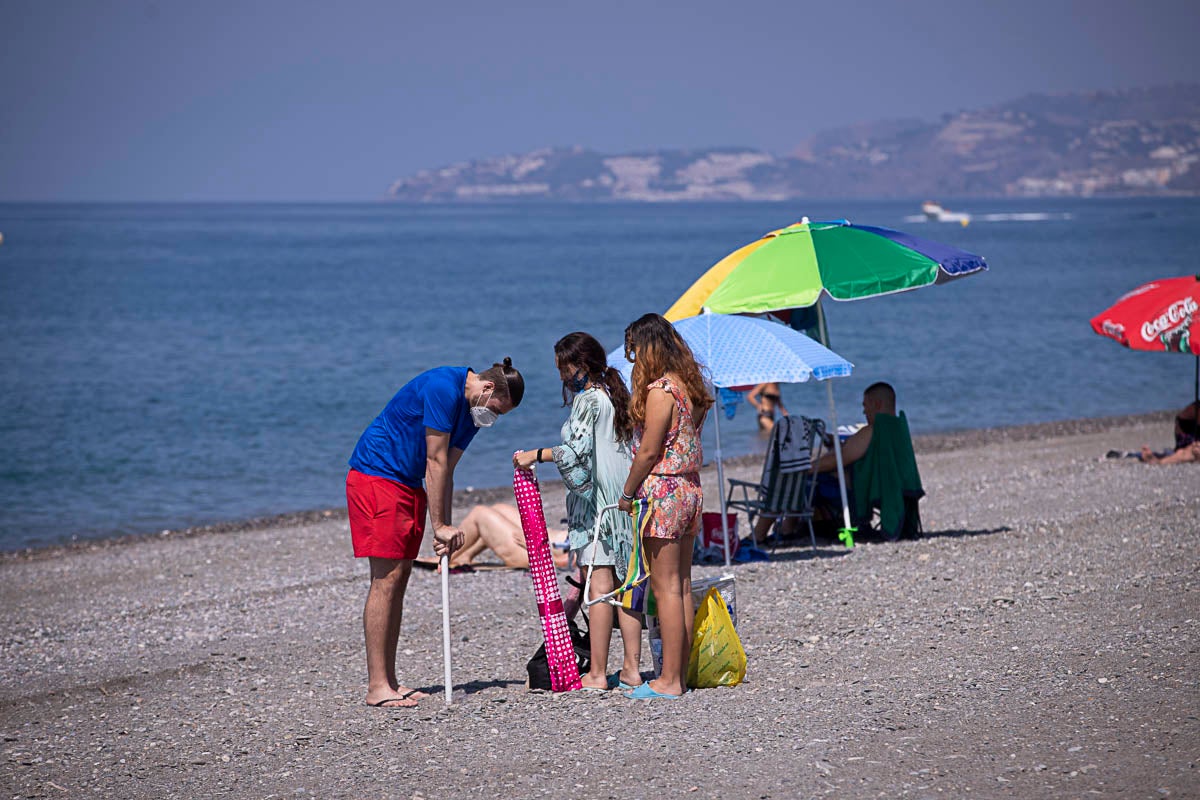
{"x": 644, "y": 692}
{"x": 615, "y": 682}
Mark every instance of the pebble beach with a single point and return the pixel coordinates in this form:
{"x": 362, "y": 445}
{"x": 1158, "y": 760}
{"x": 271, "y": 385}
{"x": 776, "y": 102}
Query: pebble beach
{"x": 1040, "y": 641}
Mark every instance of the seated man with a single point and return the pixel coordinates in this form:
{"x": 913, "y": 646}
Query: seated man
{"x": 879, "y": 397}
{"x": 497, "y": 528}
{"x": 881, "y": 470}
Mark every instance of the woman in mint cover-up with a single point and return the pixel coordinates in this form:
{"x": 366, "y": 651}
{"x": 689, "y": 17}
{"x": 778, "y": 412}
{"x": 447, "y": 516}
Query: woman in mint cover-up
{"x": 594, "y": 459}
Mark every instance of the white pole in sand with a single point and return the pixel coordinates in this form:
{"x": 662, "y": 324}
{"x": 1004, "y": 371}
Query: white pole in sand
{"x": 446, "y": 622}
{"x": 717, "y": 411}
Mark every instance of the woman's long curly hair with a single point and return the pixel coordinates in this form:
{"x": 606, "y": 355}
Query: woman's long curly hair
{"x": 656, "y": 348}
{"x": 582, "y": 350}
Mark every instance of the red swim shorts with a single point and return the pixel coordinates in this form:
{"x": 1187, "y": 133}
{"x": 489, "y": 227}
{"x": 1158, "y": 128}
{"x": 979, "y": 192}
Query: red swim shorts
{"x": 387, "y": 519}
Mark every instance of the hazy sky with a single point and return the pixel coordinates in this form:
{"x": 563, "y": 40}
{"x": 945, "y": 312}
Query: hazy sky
{"x": 224, "y": 100}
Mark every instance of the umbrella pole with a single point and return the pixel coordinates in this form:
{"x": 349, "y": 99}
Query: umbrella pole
{"x": 837, "y": 441}
{"x": 837, "y": 450}
{"x": 721, "y": 473}
{"x": 446, "y": 622}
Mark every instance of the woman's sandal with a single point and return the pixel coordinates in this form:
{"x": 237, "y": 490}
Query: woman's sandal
{"x": 644, "y": 692}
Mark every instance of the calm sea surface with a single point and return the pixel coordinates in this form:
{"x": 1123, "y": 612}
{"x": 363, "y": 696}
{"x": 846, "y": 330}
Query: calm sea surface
{"x": 171, "y": 365}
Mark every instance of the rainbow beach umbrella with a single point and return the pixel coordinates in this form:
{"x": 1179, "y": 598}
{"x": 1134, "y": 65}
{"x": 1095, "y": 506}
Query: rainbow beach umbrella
{"x": 796, "y": 266}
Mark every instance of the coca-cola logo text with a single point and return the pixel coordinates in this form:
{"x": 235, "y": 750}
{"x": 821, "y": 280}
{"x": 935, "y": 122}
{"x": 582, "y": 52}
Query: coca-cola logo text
{"x": 1176, "y": 313}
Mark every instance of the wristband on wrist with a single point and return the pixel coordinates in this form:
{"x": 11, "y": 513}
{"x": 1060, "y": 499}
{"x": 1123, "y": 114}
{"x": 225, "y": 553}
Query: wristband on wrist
{"x": 624, "y": 496}
{"x": 539, "y": 455}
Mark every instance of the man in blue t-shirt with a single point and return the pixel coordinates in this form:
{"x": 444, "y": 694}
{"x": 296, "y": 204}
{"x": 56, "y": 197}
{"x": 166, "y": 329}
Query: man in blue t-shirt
{"x": 401, "y": 469}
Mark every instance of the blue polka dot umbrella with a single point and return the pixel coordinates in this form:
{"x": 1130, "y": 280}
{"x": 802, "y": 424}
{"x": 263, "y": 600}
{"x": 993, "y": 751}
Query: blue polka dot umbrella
{"x": 737, "y": 350}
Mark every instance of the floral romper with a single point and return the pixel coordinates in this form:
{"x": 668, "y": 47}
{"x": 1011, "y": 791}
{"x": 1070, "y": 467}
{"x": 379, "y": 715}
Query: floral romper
{"x": 674, "y": 482}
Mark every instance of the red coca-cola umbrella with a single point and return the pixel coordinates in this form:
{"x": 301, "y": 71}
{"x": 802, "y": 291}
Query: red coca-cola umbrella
{"x": 1161, "y": 316}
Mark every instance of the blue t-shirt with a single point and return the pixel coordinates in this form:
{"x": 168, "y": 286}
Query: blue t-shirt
{"x": 393, "y": 446}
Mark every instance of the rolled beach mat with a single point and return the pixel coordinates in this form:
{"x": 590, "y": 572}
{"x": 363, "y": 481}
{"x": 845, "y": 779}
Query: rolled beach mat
{"x": 560, "y": 653}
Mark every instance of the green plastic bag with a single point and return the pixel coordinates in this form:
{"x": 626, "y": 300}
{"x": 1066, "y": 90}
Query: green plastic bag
{"x": 717, "y": 658}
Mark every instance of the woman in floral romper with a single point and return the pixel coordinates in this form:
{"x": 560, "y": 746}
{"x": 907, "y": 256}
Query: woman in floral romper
{"x": 668, "y": 404}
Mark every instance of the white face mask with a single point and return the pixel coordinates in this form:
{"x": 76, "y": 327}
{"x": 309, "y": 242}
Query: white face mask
{"x": 482, "y": 416}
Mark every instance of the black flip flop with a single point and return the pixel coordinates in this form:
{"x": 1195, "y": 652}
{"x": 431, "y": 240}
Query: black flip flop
{"x": 384, "y": 702}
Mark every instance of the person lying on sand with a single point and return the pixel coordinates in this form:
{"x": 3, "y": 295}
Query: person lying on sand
{"x": 1187, "y": 441}
{"x": 496, "y": 528}
{"x": 1184, "y": 455}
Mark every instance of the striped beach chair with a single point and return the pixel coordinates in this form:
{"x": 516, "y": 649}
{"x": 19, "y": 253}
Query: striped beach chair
{"x": 785, "y": 490}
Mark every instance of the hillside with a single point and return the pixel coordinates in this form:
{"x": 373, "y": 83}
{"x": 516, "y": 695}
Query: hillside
{"x": 1134, "y": 142}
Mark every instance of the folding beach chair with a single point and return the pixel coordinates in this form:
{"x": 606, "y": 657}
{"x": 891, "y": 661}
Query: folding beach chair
{"x": 786, "y": 488}
{"x": 886, "y": 479}
{"x": 636, "y": 573}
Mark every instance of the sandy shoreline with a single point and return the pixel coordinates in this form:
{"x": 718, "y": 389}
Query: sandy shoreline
{"x": 464, "y": 499}
{"x": 1040, "y": 642}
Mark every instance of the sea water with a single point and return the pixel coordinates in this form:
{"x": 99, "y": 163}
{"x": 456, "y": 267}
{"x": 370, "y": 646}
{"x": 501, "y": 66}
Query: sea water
{"x": 171, "y": 365}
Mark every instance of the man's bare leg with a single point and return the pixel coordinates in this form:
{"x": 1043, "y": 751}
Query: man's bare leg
{"x": 382, "y": 614}
{"x": 762, "y": 528}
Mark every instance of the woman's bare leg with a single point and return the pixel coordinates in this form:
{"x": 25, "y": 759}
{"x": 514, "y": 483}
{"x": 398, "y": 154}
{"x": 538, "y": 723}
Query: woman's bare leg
{"x": 630, "y": 623}
{"x": 600, "y": 623}
{"x": 666, "y": 579}
{"x": 686, "y": 548}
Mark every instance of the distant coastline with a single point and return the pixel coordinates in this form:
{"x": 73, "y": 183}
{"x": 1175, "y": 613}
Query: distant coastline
{"x": 1132, "y": 143}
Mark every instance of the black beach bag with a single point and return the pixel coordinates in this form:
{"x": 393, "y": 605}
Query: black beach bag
{"x": 539, "y": 668}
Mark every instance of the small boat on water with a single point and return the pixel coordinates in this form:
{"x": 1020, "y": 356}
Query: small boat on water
{"x": 935, "y": 213}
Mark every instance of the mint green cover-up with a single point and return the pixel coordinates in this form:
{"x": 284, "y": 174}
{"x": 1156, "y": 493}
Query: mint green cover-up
{"x": 594, "y": 466}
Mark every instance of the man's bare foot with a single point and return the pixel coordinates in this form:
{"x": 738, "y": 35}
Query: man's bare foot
{"x": 397, "y": 698}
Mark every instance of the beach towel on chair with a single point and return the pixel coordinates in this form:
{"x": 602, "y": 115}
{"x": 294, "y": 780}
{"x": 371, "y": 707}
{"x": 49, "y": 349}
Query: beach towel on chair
{"x": 560, "y": 653}
{"x": 794, "y": 439}
{"x": 633, "y": 591}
